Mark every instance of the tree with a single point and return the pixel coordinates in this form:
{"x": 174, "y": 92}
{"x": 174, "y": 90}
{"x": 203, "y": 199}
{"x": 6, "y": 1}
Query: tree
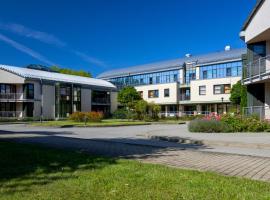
{"x": 154, "y": 110}
{"x": 128, "y": 97}
{"x": 71, "y": 72}
{"x": 141, "y": 109}
{"x": 239, "y": 95}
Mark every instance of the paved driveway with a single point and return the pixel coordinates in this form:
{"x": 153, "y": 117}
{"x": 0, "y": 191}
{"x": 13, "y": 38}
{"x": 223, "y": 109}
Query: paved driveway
{"x": 131, "y": 142}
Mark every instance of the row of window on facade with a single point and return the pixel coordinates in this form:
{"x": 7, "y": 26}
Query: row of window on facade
{"x": 217, "y": 89}
{"x": 8, "y": 89}
{"x": 230, "y": 69}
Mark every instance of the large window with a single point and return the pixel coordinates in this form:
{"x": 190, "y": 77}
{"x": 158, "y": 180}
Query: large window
{"x": 28, "y": 91}
{"x": 190, "y": 75}
{"x": 153, "y": 94}
{"x": 202, "y": 90}
{"x": 7, "y": 88}
{"x": 146, "y": 79}
{"x": 222, "y": 89}
{"x": 223, "y": 70}
{"x": 166, "y": 92}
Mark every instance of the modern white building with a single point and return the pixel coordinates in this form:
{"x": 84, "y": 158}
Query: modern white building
{"x": 256, "y": 34}
{"x": 189, "y": 85}
{"x": 42, "y": 94}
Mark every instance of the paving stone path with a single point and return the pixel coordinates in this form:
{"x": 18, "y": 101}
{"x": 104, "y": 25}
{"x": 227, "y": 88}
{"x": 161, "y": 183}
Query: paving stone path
{"x": 226, "y": 164}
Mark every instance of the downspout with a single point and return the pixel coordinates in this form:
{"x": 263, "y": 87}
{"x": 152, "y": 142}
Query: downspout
{"x": 41, "y": 108}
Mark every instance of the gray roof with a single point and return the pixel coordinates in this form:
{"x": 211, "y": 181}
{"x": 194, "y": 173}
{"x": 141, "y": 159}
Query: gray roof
{"x": 52, "y": 76}
{"x": 253, "y": 12}
{"x": 205, "y": 59}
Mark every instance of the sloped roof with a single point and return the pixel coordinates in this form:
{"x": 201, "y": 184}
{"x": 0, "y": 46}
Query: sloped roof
{"x": 52, "y": 76}
{"x": 176, "y": 63}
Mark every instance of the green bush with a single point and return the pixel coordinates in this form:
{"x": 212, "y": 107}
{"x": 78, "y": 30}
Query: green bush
{"x": 239, "y": 123}
{"x": 208, "y": 126}
{"x": 86, "y": 116}
{"x": 120, "y": 113}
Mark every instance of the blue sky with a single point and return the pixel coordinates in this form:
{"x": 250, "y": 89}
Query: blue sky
{"x": 99, "y": 35}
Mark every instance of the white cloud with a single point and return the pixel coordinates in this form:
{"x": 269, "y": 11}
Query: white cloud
{"x": 25, "y": 49}
{"x": 34, "y": 34}
{"x": 90, "y": 59}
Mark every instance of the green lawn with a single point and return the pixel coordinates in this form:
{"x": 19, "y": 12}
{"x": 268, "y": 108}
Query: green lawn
{"x": 31, "y": 172}
{"x": 104, "y": 123}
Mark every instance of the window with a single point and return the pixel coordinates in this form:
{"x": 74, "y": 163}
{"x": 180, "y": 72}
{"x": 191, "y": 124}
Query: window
{"x": 204, "y": 74}
{"x": 227, "y": 89}
{"x": 151, "y": 80}
{"x": 228, "y": 71}
{"x": 222, "y": 89}
{"x": 175, "y": 77}
{"x": 166, "y": 92}
{"x": 158, "y": 79}
{"x": 202, "y": 90}
{"x": 153, "y": 94}
{"x": 141, "y": 93}
{"x": 29, "y": 91}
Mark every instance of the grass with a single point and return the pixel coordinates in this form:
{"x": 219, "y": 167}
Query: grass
{"x": 103, "y": 123}
{"x": 30, "y": 172}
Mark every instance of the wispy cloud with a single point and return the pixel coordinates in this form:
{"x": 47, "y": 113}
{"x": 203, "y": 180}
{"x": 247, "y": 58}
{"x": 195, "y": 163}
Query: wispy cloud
{"x": 34, "y": 34}
{"x": 25, "y": 49}
{"x": 48, "y": 39}
{"x": 90, "y": 59}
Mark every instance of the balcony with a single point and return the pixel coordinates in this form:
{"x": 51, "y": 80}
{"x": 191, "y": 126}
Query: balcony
{"x": 11, "y": 96}
{"x": 257, "y": 71}
{"x": 184, "y": 97}
{"x": 101, "y": 101}
{"x": 11, "y": 114}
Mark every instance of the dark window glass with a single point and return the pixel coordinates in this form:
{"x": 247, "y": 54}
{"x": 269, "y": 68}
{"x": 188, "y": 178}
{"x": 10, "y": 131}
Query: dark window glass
{"x": 150, "y": 80}
{"x": 166, "y": 92}
{"x": 202, "y": 90}
{"x": 29, "y": 91}
{"x": 204, "y": 74}
{"x": 229, "y": 72}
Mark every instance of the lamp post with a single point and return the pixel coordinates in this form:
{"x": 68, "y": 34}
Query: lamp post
{"x": 222, "y": 99}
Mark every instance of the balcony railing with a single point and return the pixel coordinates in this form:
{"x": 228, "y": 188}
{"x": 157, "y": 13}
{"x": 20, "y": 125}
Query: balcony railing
{"x": 257, "y": 70}
{"x": 11, "y": 114}
{"x": 262, "y": 112}
{"x": 184, "y": 97}
{"x": 101, "y": 101}
{"x": 11, "y": 96}
{"x": 183, "y": 113}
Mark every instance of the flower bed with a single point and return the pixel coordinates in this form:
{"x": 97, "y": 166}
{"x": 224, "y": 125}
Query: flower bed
{"x": 228, "y": 123}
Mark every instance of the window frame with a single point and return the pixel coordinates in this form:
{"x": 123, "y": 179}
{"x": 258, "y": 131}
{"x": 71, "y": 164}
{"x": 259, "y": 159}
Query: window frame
{"x": 200, "y": 90}
{"x": 167, "y": 92}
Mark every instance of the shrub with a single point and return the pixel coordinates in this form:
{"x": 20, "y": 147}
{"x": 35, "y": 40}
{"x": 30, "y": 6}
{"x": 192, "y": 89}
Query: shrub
{"x": 120, "y": 113}
{"x": 208, "y": 126}
{"x": 141, "y": 109}
{"x": 86, "y": 116}
{"x": 94, "y": 116}
{"x": 77, "y": 116}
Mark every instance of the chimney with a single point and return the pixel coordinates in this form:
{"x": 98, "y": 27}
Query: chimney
{"x": 227, "y": 48}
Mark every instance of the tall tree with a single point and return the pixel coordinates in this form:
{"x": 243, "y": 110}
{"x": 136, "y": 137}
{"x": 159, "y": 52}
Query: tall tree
{"x": 128, "y": 96}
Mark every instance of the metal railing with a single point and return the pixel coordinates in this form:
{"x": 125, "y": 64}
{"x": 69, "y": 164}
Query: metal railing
{"x": 14, "y": 96}
{"x": 257, "y": 69}
{"x": 184, "y": 97}
{"x": 101, "y": 100}
{"x": 183, "y": 113}
{"x": 262, "y": 112}
{"x": 11, "y": 114}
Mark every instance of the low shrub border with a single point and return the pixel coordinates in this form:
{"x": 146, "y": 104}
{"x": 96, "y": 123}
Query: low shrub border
{"x": 228, "y": 123}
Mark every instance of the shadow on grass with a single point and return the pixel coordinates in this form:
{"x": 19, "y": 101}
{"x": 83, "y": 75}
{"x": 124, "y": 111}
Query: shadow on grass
{"x": 23, "y": 166}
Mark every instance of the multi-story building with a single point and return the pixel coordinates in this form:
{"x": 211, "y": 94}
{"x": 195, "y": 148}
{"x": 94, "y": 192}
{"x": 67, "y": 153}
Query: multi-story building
{"x": 189, "y": 85}
{"x": 41, "y": 94}
{"x": 256, "y": 34}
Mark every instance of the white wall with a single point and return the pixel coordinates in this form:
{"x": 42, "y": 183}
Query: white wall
{"x": 7, "y": 77}
{"x": 114, "y": 102}
{"x": 86, "y": 99}
{"x": 48, "y": 101}
{"x": 209, "y": 83}
{"x": 172, "y": 99}
{"x": 259, "y": 23}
